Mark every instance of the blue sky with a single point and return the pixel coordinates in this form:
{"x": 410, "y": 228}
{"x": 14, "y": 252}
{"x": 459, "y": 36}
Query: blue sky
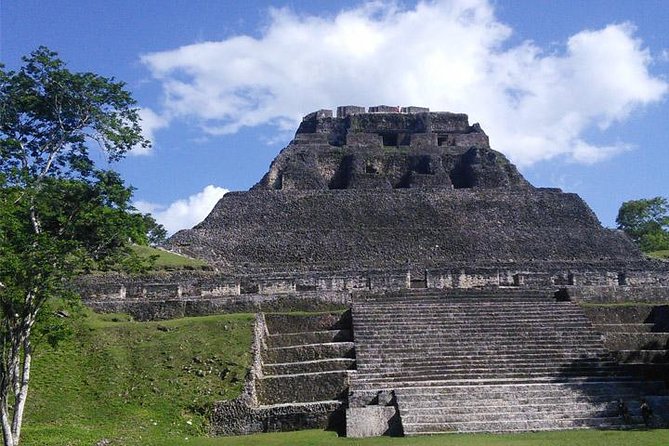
{"x": 575, "y": 92}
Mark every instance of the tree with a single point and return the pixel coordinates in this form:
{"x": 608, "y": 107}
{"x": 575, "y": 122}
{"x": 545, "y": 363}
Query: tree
{"x": 60, "y": 214}
{"x": 646, "y": 221}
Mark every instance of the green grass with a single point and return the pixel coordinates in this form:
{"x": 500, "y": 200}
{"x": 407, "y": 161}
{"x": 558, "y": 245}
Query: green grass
{"x": 664, "y": 254}
{"x": 168, "y": 260}
{"x": 130, "y": 381}
{"x": 564, "y": 438}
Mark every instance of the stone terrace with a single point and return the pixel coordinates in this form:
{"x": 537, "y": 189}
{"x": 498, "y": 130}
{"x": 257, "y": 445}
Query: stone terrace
{"x": 300, "y": 377}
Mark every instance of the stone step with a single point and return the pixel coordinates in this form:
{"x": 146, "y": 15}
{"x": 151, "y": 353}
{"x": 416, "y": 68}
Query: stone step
{"x": 479, "y": 338}
{"x": 480, "y": 327}
{"x": 390, "y": 381}
{"x": 418, "y": 359}
{"x": 454, "y": 313}
{"x": 520, "y": 402}
{"x": 423, "y": 329}
{"x": 623, "y": 328}
{"x": 431, "y": 313}
{"x": 319, "y": 365}
{"x": 516, "y": 402}
{"x": 570, "y": 411}
{"x": 434, "y": 370}
{"x": 445, "y": 337}
{"x": 466, "y": 303}
{"x": 300, "y": 323}
{"x": 408, "y": 371}
{"x": 477, "y": 363}
{"x": 503, "y": 307}
{"x": 539, "y": 324}
{"x": 480, "y": 300}
{"x": 519, "y": 425}
{"x": 454, "y": 350}
{"x": 636, "y": 341}
{"x": 303, "y": 387}
{"x": 358, "y": 385}
{"x": 313, "y": 337}
{"x": 329, "y": 405}
{"x": 537, "y": 388}
{"x": 629, "y": 314}
{"x": 439, "y": 330}
{"x": 479, "y": 344}
{"x": 311, "y": 352}
{"x": 490, "y": 362}
{"x": 645, "y": 356}
{"x": 465, "y": 310}
{"x": 457, "y": 350}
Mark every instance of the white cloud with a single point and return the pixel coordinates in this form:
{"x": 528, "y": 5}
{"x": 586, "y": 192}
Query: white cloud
{"x": 184, "y": 213}
{"x": 150, "y": 122}
{"x": 449, "y": 55}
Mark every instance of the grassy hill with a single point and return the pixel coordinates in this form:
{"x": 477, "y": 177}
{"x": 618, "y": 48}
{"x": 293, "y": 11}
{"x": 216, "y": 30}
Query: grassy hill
{"x": 129, "y": 381}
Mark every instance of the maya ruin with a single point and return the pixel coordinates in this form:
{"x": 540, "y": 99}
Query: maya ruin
{"x": 407, "y": 279}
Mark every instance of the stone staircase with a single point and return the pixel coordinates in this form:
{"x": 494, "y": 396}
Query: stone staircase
{"x": 637, "y": 335}
{"x": 306, "y": 359}
{"x": 497, "y": 361}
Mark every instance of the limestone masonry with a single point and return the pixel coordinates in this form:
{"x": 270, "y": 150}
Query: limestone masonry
{"x": 446, "y": 284}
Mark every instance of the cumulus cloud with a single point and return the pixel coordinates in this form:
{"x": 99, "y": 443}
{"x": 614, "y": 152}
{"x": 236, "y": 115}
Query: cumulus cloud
{"x": 150, "y": 122}
{"x": 184, "y": 213}
{"x": 449, "y": 55}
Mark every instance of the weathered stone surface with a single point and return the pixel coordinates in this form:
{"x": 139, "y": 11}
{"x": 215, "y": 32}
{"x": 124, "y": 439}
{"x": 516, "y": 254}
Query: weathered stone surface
{"x": 237, "y": 418}
{"x": 376, "y": 229}
{"x": 390, "y": 149}
{"x": 371, "y": 421}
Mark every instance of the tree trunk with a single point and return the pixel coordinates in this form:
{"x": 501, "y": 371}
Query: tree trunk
{"x": 17, "y": 362}
{"x": 20, "y": 398}
{"x": 7, "y": 437}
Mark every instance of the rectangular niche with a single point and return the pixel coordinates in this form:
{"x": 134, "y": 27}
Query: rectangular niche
{"x": 390, "y": 139}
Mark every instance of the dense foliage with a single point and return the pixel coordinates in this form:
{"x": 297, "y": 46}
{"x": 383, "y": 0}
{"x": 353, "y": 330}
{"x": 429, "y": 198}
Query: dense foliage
{"x": 646, "y": 221}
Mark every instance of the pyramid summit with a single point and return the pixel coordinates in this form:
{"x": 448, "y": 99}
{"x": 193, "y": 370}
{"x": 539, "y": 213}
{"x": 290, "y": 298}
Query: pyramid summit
{"x": 415, "y": 149}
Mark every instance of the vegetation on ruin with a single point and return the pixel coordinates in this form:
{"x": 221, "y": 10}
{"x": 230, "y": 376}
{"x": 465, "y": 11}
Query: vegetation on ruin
{"x": 135, "y": 383}
{"x": 166, "y": 260}
{"x": 662, "y": 254}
